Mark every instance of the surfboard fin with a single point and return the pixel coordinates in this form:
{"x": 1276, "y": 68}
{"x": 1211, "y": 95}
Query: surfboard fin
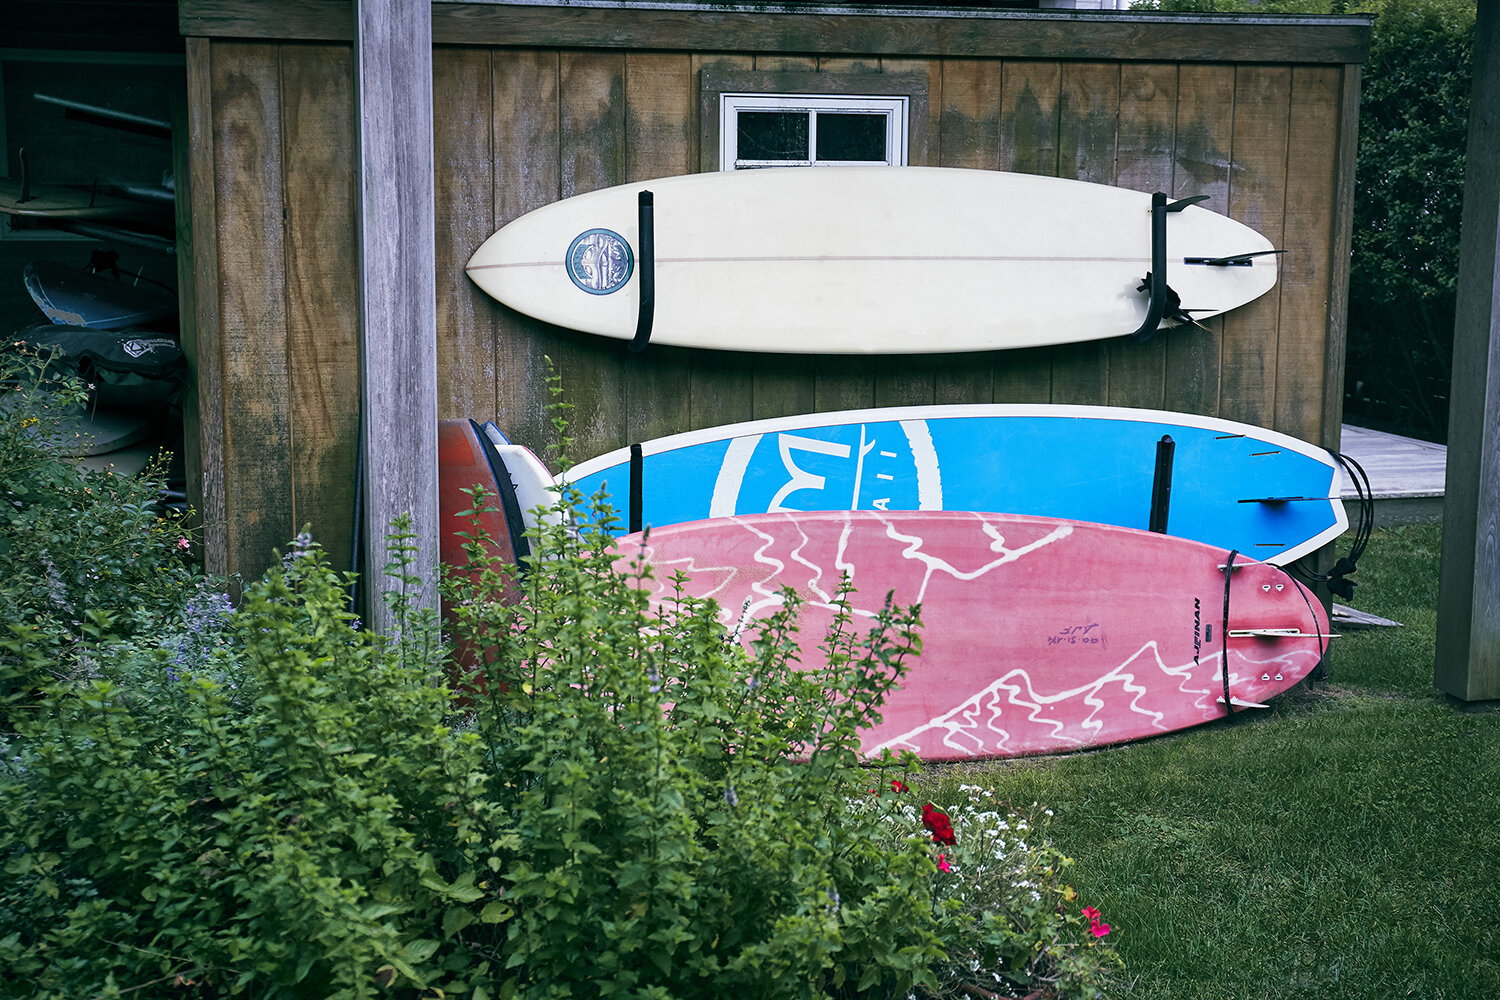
{"x": 1277, "y": 633}
{"x": 1242, "y": 703}
{"x": 1233, "y": 260}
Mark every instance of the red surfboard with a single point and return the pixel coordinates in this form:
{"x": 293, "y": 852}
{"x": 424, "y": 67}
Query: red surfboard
{"x": 464, "y": 464}
{"x": 1039, "y": 635}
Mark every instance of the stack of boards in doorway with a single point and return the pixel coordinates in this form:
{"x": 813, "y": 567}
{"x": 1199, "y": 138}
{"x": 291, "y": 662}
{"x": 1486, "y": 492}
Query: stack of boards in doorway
{"x": 110, "y": 323}
{"x": 1060, "y": 614}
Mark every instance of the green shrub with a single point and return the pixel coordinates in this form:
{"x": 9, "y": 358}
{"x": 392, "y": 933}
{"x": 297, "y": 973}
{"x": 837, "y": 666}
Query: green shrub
{"x": 270, "y": 801}
{"x": 688, "y": 816}
{"x": 86, "y": 557}
{"x": 676, "y": 804}
{"x": 302, "y": 825}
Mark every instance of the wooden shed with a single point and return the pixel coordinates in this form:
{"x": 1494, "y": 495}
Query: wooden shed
{"x": 536, "y": 101}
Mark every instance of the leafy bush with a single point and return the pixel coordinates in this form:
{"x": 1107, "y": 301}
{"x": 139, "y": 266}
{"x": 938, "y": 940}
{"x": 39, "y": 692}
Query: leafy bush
{"x": 688, "y": 814}
{"x": 676, "y": 819}
{"x": 270, "y": 801}
{"x": 84, "y": 555}
{"x": 1017, "y": 927}
{"x": 297, "y": 821}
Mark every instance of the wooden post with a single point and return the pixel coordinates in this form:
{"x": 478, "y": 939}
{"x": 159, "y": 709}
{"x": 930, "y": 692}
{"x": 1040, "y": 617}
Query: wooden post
{"x": 1468, "y": 622}
{"x": 398, "y": 298}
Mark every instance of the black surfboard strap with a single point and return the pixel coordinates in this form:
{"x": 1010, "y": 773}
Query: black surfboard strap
{"x": 1224, "y": 637}
{"x": 1155, "y": 284}
{"x": 1161, "y": 485}
{"x": 637, "y": 477}
{"x": 646, "y": 259}
{"x": 510, "y": 504}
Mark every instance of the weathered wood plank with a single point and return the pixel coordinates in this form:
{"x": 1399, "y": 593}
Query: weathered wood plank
{"x": 524, "y": 108}
{"x": 1311, "y": 187}
{"x": 202, "y": 336}
{"x": 592, "y": 149}
{"x": 781, "y": 384}
{"x": 464, "y": 159}
{"x": 1335, "y": 344}
{"x": 969, "y": 129}
{"x": 1088, "y": 123}
{"x": 1201, "y": 165}
{"x": 1147, "y": 137}
{"x": 660, "y": 97}
{"x": 247, "y": 192}
{"x": 1397, "y": 466}
{"x": 1257, "y": 197}
{"x": 322, "y": 289}
{"x": 1468, "y": 623}
{"x": 844, "y": 382}
{"x": 831, "y": 29}
{"x": 906, "y": 380}
{"x": 784, "y": 63}
{"x": 1030, "y": 101}
{"x": 398, "y": 303}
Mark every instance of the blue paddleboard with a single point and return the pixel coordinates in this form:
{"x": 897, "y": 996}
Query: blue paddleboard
{"x": 1235, "y": 486}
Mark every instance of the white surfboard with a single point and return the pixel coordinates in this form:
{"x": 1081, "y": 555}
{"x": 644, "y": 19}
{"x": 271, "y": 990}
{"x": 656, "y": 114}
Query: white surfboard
{"x": 869, "y": 260}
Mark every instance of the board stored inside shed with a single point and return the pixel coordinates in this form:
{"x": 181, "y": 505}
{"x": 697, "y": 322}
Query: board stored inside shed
{"x": 533, "y": 102}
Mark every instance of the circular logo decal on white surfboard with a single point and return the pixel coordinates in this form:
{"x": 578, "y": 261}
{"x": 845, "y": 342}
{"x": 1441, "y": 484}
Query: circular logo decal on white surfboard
{"x": 600, "y": 261}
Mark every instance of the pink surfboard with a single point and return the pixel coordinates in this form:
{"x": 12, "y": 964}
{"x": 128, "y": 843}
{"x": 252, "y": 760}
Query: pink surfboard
{"x": 1039, "y": 635}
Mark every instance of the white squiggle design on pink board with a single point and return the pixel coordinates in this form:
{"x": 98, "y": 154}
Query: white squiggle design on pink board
{"x": 975, "y": 726}
{"x": 934, "y": 564}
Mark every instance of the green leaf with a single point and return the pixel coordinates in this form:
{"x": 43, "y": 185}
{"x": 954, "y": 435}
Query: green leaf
{"x": 495, "y": 911}
{"x": 456, "y": 919}
{"x": 420, "y": 950}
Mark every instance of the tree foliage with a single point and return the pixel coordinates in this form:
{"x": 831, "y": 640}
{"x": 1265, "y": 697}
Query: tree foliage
{"x": 1414, "y": 117}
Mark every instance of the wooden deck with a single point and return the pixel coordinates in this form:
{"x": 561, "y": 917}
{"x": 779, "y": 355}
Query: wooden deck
{"x": 1406, "y": 475}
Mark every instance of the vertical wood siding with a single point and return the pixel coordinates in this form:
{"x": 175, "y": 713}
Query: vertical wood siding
{"x": 516, "y": 129}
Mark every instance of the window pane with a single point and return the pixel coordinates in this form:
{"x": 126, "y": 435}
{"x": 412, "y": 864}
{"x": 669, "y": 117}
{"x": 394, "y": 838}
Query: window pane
{"x": 773, "y": 135}
{"x": 851, "y": 137}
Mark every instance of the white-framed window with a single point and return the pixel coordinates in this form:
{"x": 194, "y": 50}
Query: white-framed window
{"x": 804, "y": 130}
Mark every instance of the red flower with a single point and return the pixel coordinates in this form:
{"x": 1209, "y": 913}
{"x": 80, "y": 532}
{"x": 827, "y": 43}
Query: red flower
{"x": 898, "y": 786}
{"x": 940, "y": 825}
{"x": 1096, "y": 925}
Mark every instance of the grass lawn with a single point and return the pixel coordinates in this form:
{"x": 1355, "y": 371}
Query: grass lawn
{"x": 1342, "y": 844}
